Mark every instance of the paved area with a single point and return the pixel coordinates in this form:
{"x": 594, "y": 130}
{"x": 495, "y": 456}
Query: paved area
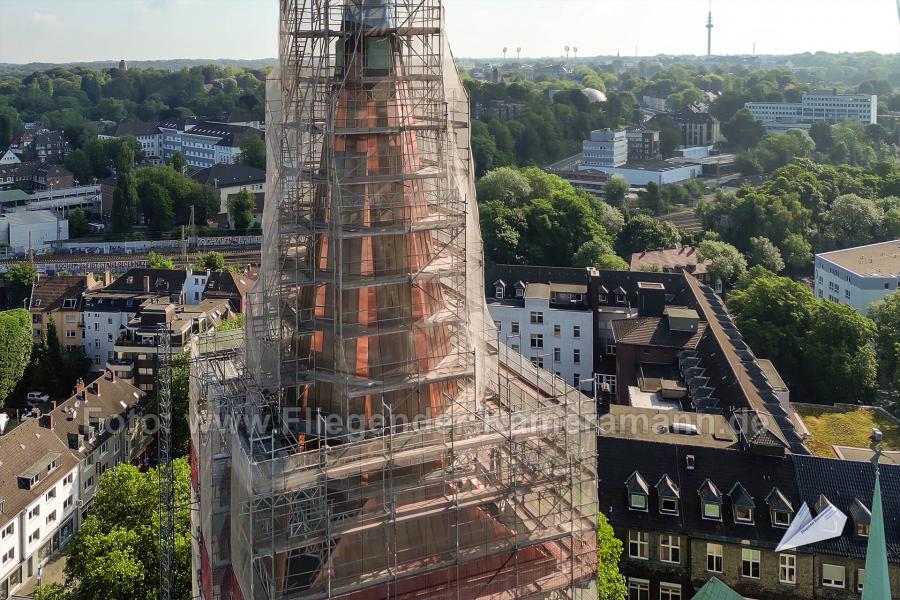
{"x": 54, "y": 572}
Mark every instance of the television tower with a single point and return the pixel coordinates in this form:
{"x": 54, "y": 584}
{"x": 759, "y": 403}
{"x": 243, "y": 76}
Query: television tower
{"x": 709, "y": 28}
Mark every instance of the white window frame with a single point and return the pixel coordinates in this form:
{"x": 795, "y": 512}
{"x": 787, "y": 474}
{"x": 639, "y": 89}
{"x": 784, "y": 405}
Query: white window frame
{"x": 777, "y": 523}
{"x": 669, "y": 547}
{"x": 744, "y": 520}
{"x": 718, "y": 516}
{"x": 716, "y": 553}
{"x": 833, "y": 581}
{"x": 750, "y": 557}
{"x": 537, "y": 340}
{"x": 669, "y": 591}
{"x": 668, "y": 511}
{"x": 787, "y": 569}
{"x": 639, "y": 541}
{"x": 638, "y": 589}
{"x": 537, "y": 317}
{"x": 639, "y": 507}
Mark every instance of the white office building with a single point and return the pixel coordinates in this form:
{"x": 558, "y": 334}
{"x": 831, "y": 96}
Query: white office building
{"x": 606, "y": 148}
{"x": 550, "y": 324}
{"x": 860, "y": 276}
{"x": 32, "y": 229}
{"x": 820, "y": 105}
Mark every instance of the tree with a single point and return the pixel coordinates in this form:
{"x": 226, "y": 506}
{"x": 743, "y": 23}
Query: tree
{"x": 178, "y": 163}
{"x": 743, "y": 130}
{"x": 10, "y": 124}
{"x": 643, "y": 232}
{"x": 506, "y": 184}
{"x": 253, "y": 152}
{"x": 240, "y": 210}
{"x": 114, "y": 554}
{"x": 653, "y": 199}
{"x": 78, "y": 223}
{"x": 232, "y": 323}
{"x": 590, "y": 252}
{"x": 80, "y": 164}
{"x": 616, "y": 189}
{"x": 765, "y": 254}
{"x": 822, "y": 135}
{"x": 797, "y": 253}
{"x": 20, "y": 279}
{"x": 610, "y": 582}
{"x": 840, "y": 358}
{"x": 774, "y": 313}
{"x": 212, "y": 261}
{"x": 852, "y": 221}
{"x": 886, "y": 316}
{"x": 15, "y": 349}
{"x": 158, "y": 261}
{"x": 610, "y": 262}
{"x": 125, "y": 203}
{"x": 725, "y": 261}
{"x": 156, "y": 205}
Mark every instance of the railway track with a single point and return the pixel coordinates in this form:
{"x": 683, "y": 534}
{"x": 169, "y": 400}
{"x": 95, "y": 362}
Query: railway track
{"x": 231, "y": 257}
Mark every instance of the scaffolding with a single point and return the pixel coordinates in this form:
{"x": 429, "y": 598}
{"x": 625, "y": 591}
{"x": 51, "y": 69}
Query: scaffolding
{"x": 371, "y": 439}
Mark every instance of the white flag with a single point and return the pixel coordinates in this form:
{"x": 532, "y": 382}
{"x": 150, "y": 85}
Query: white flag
{"x": 805, "y": 529}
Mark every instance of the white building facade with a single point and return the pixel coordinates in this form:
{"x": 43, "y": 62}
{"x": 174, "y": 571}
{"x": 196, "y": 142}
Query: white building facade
{"x": 858, "y": 277}
{"x": 549, "y": 324}
{"x": 820, "y": 105}
{"x": 606, "y": 148}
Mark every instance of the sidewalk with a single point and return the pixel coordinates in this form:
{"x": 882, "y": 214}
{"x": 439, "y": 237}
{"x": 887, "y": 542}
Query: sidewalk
{"x": 54, "y": 572}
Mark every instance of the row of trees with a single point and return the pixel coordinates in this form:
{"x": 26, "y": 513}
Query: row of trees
{"x": 75, "y": 98}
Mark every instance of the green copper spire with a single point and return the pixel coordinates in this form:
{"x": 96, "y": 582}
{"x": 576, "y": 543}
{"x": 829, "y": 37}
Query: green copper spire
{"x": 877, "y": 584}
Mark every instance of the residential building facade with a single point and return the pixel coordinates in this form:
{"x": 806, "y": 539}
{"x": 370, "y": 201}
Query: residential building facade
{"x": 51, "y": 147}
{"x": 643, "y": 143}
{"x": 698, "y": 126}
{"x": 230, "y": 179}
{"x": 58, "y": 300}
{"x": 858, "y": 277}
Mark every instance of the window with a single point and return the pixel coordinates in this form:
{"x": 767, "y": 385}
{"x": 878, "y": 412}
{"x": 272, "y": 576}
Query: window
{"x": 712, "y": 511}
{"x": 50, "y": 495}
{"x": 515, "y": 327}
{"x": 576, "y": 331}
{"x": 96, "y": 343}
{"x": 668, "y": 506}
{"x": 557, "y": 330}
{"x": 669, "y": 591}
{"x": 714, "y": 558}
{"x": 8, "y": 556}
{"x": 70, "y": 333}
{"x": 537, "y": 361}
{"x": 833, "y": 576}
{"x": 67, "y": 480}
{"x": 862, "y": 529}
{"x": 498, "y": 292}
{"x": 781, "y": 518}
{"x": 669, "y": 548}
{"x": 9, "y": 530}
{"x": 787, "y": 568}
{"x": 638, "y": 589}
{"x": 51, "y": 517}
{"x": 67, "y": 503}
{"x": 537, "y": 340}
{"x": 638, "y": 502}
{"x": 34, "y": 535}
{"x": 537, "y": 318}
{"x": 498, "y": 325}
{"x": 576, "y": 356}
{"x": 639, "y": 545}
{"x": 576, "y": 380}
{"x": 860, "y": 579}
{"x": 620, "y": 298}
{"x": 557, "y": 355}
{"x": 34, "y": 512}
{"x": 743, "y": 514}
{"x": 750, "y": 563}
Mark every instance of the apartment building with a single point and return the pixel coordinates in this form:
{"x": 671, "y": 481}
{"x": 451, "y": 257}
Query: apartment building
{"x": 50, "y": 467}
{"x": 545, "y": 314}
{"x": 230, "y": 179}
{"x": 106, "y": 312}
{"x": 698, "y": 126}
{"x": 858, "y": 277}
{"x": 643, "y": 143}
{"x": 148, "y": 135}
{"x": 51, "y": 147}
{"x": 59, "y": 300}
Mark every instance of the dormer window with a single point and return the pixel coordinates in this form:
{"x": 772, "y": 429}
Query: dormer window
{"x": 743, "y": 504}
{"x": 499, "y": 289}
{"x": 638, "y": 492}
{"x": 498, "y": 292}
{"x": 668, "y": 496}
{"x": 711, "y": 501}
{"x": 781, "y": 510}
{"x": 862, "y": 518}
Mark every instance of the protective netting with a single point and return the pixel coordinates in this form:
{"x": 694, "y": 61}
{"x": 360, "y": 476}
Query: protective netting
{"x": 380, "y": 444}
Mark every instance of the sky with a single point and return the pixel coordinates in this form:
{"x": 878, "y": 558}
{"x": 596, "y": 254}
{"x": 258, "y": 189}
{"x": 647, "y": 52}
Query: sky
{"x": 86, "y": 30}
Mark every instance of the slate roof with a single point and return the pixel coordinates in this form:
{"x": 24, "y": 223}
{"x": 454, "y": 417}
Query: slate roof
{"x": 654, "y": 331}
{"x": 161, "y": 280}
{"x": 757, "y": 474}
{"x": 534, "y": 274}
{"x": 843, "y": 482}
{"x": 677, "y": 291}
{"x": 229, "y": 175}
{"x": 135, "y": 128}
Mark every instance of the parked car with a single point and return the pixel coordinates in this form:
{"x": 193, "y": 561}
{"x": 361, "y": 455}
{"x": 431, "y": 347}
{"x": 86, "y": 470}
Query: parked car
{"x": 35, "y": 398}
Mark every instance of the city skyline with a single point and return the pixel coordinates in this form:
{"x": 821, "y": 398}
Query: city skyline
{"x": 57, "y": 32}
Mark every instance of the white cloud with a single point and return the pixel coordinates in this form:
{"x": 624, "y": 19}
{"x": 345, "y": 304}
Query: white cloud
{"x": 44, "y": 19}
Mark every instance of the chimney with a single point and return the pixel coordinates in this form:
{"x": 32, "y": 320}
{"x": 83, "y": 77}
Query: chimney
{"x": 79, "y": 386}
{"x": 46, "y": 421}
{"x": 95, "y": 388}
{"x": 112, "y": 375}
{"x": 146, "y": 283}
{"x": 651, "y": 299}
{"x": 107, "y": 278}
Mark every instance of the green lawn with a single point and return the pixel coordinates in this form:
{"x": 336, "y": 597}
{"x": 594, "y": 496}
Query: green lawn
{"x": 836, "y": 426}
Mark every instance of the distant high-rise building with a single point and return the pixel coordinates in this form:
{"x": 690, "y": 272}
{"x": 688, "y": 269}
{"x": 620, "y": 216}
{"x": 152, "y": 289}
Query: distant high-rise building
{"x": 372, "y": 439}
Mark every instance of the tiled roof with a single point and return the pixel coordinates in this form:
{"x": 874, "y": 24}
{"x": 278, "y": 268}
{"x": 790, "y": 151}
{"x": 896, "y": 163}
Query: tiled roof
{"x": 135, "y": 128}
{"x": 226, "y": 284}
{"x": 50, "y": 292}
{"x": 161, "y": 281}
{"x": 21, "y": 451}
{"x": 654, "y": 331}
{"x": 225, "y": 175}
